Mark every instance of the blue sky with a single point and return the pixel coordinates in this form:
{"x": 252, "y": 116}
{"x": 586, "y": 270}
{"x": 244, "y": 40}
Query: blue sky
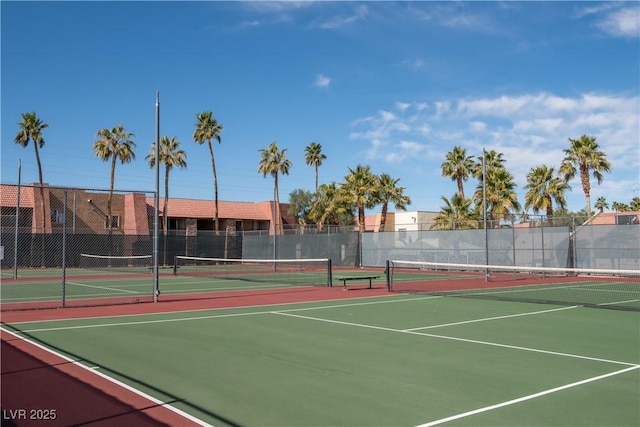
{"x": 393, "y": 85}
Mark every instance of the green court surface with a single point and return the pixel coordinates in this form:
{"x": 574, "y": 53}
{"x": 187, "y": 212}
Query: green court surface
{"x": 398, "y": 360}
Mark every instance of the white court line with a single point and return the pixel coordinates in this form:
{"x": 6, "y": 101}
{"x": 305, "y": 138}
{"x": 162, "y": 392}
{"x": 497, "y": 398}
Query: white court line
{"x": 530, "y": 288}
{"x": 144, "y": 322}
{"x": 491, "y": 318}
{"x": 102, "y": 287}
{"x": 525, "y": 398}
{"x": 113, "y": 380}
{"x": 213, "y": 316}
{"x": 618, "y": 302}
{"x": 288, "y": 312}
{"x": 445, "y": 337}
{"x": 199, "y": 310}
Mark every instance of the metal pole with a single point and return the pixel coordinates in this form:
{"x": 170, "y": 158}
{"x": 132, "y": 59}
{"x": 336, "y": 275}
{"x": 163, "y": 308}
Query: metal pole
{"x": 15, "y": 239}
{"x": 64, "y": 249}
{"x": 156, "y": 202}
{"x": 542, "y": 241}
{"x": 74, "y": 213}
{"x": 513, "y": 241}
{"x": 484, "y": 213}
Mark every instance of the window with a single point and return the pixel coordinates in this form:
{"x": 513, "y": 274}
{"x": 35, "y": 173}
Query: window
{"x": 115, "y": 221}
{"x": 57, "y": 216}
{"x": 626, "y": 219}
{"x": 176, "y": 224}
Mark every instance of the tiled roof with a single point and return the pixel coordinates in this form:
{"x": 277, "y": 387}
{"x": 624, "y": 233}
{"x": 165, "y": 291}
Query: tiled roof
{"x": 191, "y": 208}
{"x": 9, "y": 193}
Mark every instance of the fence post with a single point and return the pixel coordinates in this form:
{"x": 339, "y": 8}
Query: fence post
{"x": 387, "y": 270}
{"x": 15, "y": 239}
{"x": 64, "y": 249}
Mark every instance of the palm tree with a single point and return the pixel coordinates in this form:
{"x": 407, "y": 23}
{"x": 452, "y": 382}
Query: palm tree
{"x": 543, "y": 188}
{"x": 31, "y": 130}
{"x": 456, "y": 214}
{"x": 274, "y": 162}
{"x": 328, "y": 205}
{"x": 501, "y": 196}
{"x": 635, "y": 204}
{"x": 114, "y": 144}
{"x": 171, "y": 155}
{"x": 208, "y": 129}
{"x": 458, "y": 166}
{"x": 620, "y": 207}
{"x": 492, "y": 160}
{"x": 601, "y": 204}
{"x": 584, "y": 155}
{"x": 387, "y": 191}
{"x": 360, "y": 189}
{"x": 314, "y": 157}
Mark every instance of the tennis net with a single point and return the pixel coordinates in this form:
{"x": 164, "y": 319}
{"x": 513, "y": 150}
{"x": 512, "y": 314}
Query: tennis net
{"x": 615, "y": 289}
{"x": 112, "y": 263}
{"x": 286, "y": 272}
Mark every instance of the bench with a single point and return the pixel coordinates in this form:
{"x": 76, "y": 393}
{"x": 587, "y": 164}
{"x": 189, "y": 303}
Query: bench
{"x": 345, "y": 279}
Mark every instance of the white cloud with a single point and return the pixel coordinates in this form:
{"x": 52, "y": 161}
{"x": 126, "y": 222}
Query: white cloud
{"x": 413, "y": 64}
{"x": 543, "y": 125}
{"x": 402, "y": 106}
{"x": 247, "y": 24}
{"x": 269, "y": 7}
{"x": 477, "y": 126}
{"x": 404, "y": 150}
{"x": 615, "y": 18}
{"x": 322, "y": 81}
{"x": 529, "y": 129}
{"x": 387, "y": 116}
{"x": 624, "y": 22}
{"x": 442, "y": 107}
{"x": 340, "y": 21}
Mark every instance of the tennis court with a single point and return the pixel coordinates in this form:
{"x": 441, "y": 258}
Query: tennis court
{"x": 376, "y": 359}
{"x": 123, "y": 280}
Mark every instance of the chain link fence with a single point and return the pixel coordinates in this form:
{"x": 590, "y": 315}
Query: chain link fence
{"x": 90, "y": 251}
{"x": 84, "y": 247}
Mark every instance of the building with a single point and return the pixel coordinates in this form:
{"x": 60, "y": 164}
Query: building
{"x": 401, "y": 221}
{"x": 131, "y": 213}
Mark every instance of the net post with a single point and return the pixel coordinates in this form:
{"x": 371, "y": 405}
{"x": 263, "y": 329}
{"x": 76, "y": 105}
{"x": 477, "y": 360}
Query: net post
{"x": 175, "y": 265}
{"x": 329, "y": 273}
{"x": 156, "y": 206}
{"x": 64, "y": 250}
{"x": 387, "y": 271}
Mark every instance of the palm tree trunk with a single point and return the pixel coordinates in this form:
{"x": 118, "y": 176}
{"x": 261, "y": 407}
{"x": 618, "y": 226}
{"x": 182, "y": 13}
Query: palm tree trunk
{"x": 460, "y": 186}
{"x": 586, "y": 187}
{"x": 215, "y": 188}
{"x": 383, "y": 216}
{"x": 277, "y": 225}
{"x": 44, "y": 208}
{"x": 549, "y": 212}
{"x": 111, "y": 185}
{"x": 109, "y": 213}
{"x": 361, "y": 217}
{"x": 165, "y": 220}
{"x": 316, "y": 178}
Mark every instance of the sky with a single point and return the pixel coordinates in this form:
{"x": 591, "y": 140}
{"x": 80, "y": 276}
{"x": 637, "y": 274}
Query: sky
{"x": 392, "y": 85}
